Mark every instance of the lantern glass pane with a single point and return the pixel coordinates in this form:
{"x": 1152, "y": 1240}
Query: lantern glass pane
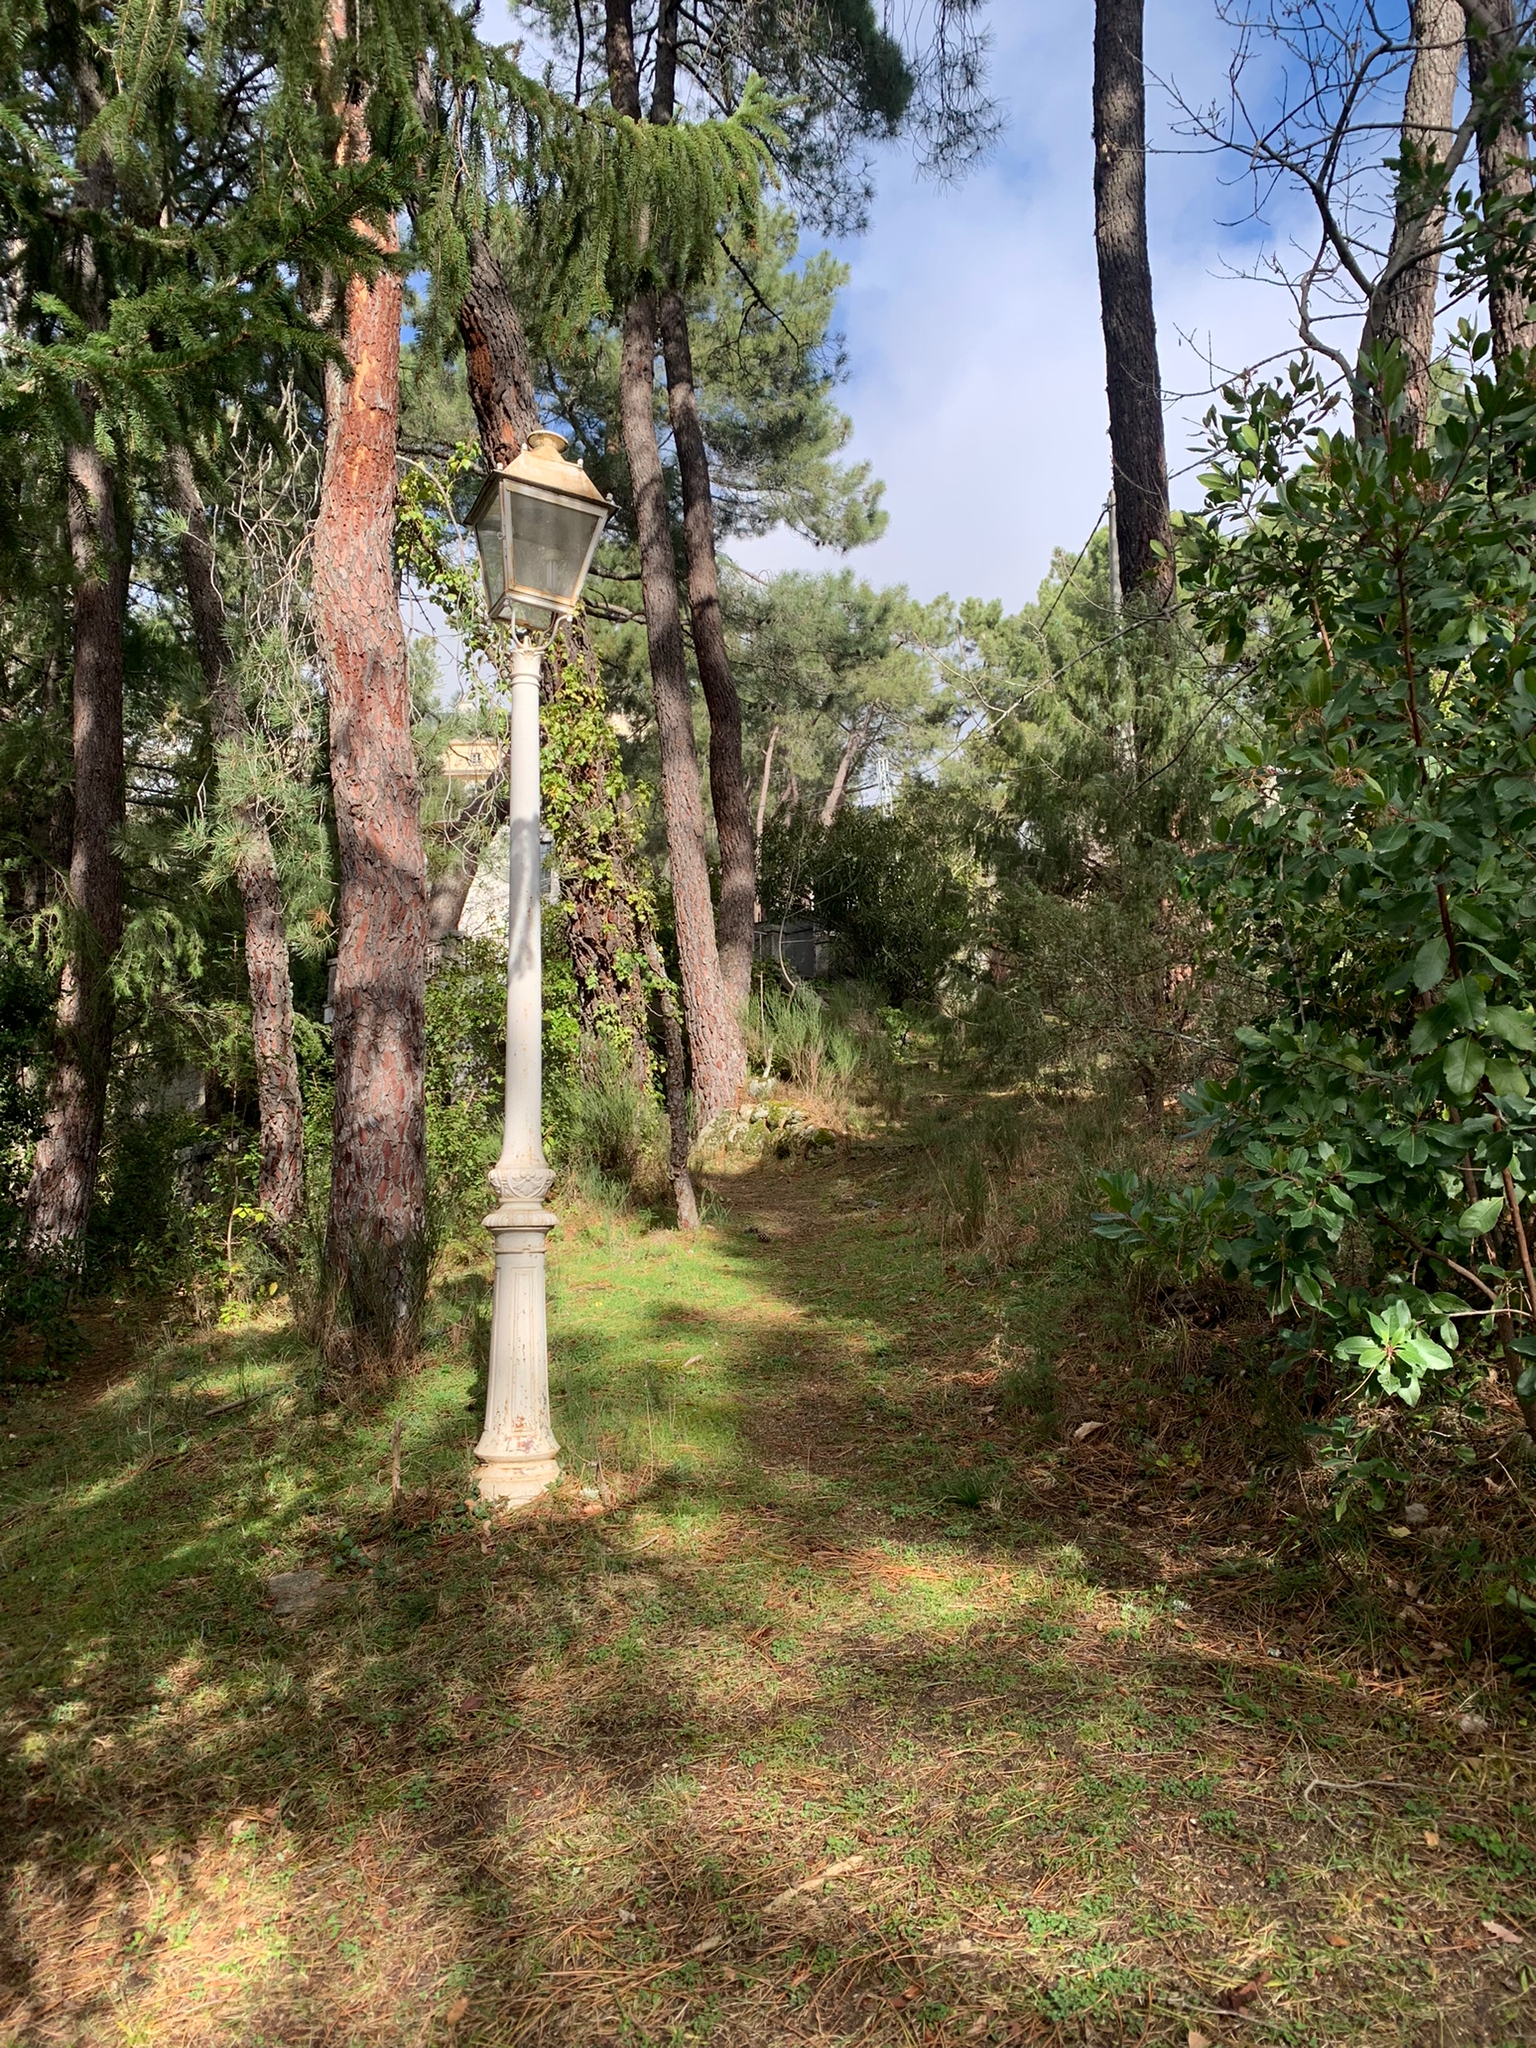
{"x": 489, "y": 540}
{"x": 549, "y": 546}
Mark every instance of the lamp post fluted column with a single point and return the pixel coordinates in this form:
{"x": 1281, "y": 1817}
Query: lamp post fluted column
{"x": 517, "y": 1451}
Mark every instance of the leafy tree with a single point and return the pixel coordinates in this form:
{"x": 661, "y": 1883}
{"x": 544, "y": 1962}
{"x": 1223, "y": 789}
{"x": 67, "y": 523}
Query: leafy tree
{"x": 1374, "y": 874}
{"x": 833, "y": 671}
{"x": 1087, "y": 733}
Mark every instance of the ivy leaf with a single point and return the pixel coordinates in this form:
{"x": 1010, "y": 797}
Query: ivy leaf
{"x": 1430, "y": 962}
{"x": 1464, "y": 1066}
{"x": 1481, "y": 1217}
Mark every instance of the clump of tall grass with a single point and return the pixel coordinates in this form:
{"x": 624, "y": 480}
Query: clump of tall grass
{"x": 614, "y": 1142}
{"x": 836, "y": 1047}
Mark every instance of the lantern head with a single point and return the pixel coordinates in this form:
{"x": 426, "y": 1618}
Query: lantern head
{"x": 537, "y": 524}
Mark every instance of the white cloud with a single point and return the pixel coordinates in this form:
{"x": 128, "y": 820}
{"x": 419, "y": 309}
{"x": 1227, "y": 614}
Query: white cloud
{"x": 972, "y": 318}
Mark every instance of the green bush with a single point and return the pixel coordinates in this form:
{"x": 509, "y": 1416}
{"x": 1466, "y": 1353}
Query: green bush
{"x": 1374, "y": 875}
{"x": 895, "y": 888}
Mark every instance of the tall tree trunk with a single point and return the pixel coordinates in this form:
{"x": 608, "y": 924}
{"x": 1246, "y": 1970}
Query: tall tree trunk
{"x": 64, "y": 1166}
{"x": 1402, "y": 307}
{"x": 858, "y": 733}
{"x": 714, "y": 1027}
{"x": 714, "y": 1030}
{"x": 727, "y": 777}
{"x": 674, "y": 1090}
{"x": 376, "y": 1238}
{"x": 1137, "y": 447}
{"x": 499, "y": 372}
{"x": 1498, "y": 84}
{"x": 280, "y": 1188}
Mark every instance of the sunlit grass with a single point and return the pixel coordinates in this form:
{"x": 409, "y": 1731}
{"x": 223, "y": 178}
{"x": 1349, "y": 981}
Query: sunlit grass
{"x": 564, "y": 1768}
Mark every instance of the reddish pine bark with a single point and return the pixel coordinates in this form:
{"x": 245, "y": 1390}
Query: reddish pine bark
{"x": 714, "y": 1032}
{"x": 376, "y": 1232}
{"x": 280, "y": 1189}
{"x": 727, "y": 778}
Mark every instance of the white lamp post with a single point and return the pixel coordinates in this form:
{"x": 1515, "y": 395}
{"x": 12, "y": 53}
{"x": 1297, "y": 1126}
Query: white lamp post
{"x": 537, "y": 525}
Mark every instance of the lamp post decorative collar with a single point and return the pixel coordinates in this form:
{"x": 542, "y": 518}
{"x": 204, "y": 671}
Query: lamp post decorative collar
{"x": 537, "y": 524}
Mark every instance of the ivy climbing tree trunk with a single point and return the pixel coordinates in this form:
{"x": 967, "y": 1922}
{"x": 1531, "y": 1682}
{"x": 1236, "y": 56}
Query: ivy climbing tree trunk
{"x": 605, "y": 909}
{"x": 280, "y": 1189}
{"x": 64, "y": 1165}
{"x": 607, "y": 922}
{"x": 1134, "y": 382}
{"x": 727, "y": 777}
{"x": 376, "y": 1236}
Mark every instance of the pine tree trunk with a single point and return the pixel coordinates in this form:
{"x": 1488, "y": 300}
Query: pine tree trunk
{"x": 1134, "y": 382}
{"x": 499, "y": 373}
{"x": 727, "y": 777}
{"x": 63, "y": 1181}
{"x": 64, "y": 1166}
{"x": 1497, "y": 80}
{"x": 280, "y": 1189}
{"x": 714, "y": 1028}
{"x": 376, "y": 1240}
{"x": 714, "y": 1031}
{"x": 1402, "y": 308}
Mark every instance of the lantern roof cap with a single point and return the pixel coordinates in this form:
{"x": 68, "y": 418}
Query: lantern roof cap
{"x": 542, "y": 462}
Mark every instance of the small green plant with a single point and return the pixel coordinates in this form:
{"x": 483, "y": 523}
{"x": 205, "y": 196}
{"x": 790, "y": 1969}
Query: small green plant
{"x": 966, "y": 1487}
{"x": 1030, "y": 1390}
{"x": 1398, "y": 1353}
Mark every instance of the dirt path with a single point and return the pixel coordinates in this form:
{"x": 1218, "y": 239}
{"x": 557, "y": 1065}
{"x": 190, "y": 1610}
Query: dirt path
{"x": 850, "y": 1692}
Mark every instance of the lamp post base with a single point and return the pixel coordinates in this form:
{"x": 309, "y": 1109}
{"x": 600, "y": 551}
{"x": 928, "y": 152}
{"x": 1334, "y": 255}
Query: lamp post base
{"x": 516, "y": 1482}
{"x": 518, "y": 1455}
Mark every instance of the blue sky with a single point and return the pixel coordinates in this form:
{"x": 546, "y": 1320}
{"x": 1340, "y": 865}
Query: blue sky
{"x": 972, "y": 321}
{"x": 971, "y": 316}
